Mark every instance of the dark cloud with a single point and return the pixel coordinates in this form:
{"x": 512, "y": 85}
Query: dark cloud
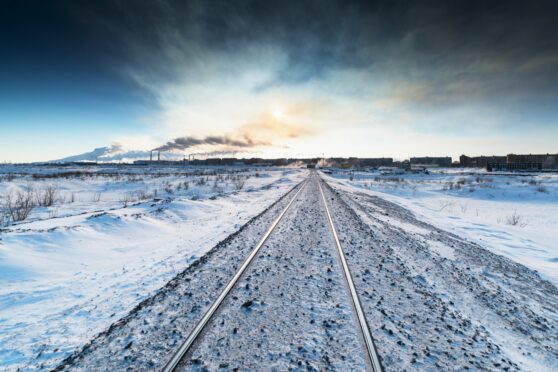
{"x": 456, "y": 50}
{"x": 183, "y": 143}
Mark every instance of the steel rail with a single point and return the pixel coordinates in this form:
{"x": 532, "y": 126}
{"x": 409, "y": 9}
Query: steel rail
{"x": 187, "y": 344}
{"x": 368, "y": 341}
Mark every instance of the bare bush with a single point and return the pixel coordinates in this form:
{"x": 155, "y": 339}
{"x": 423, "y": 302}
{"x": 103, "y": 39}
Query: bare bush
{"x": 63, "y": 199}
{"x": 515, "y": 219}
{"x": 445, "y": 204}
{"x": 4, "y": 218}
{"x": 238, "y": 183}
{"x": 47, "y": 197}
{"x": 53, "y": 213}
{"x": 168, "y": 188}
{"x": 20, "y": 204}
{"x": 128, "y": 198}
{"x": 217, "y": 188}
{"x": 141, "y": 194}
{"x": 96, "y": 197}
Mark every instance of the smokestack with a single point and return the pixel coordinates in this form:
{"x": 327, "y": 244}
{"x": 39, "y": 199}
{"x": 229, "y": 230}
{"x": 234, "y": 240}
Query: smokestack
{"x": 151, "y": 156}
{"x": 159, "y": 156}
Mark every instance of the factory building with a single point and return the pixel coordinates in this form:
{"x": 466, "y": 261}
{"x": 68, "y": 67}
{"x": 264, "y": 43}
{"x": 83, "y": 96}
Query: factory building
{"x": 428, "y": 162}
{"x": 481, "y": 161}
{"x": 512, "y": 162}
{"x": 376, "y": 162}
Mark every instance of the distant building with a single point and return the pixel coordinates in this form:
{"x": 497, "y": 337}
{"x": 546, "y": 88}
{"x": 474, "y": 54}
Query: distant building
{"x": 405, "y": 164}
{"x": 427, "y": 161}
{"x": 539, "y": 161}
{"x": 280, "y": 161}
{"x": 481, "y": 161}
{"x": 533, "y": 162}
{"x": 376, "y": 162}
{"x": 229, "y": 161}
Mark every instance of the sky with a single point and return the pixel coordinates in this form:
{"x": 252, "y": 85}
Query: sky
{"x": 278, "y": 78}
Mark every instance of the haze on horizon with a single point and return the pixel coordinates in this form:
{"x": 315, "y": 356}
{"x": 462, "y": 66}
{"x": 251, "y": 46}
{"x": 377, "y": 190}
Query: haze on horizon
{"x": 276, "y": 78}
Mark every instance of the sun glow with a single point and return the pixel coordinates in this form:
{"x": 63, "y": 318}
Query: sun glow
{"x": 278, "y": 113}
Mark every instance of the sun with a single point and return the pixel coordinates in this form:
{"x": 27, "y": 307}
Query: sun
{"x": 278, "y": 113}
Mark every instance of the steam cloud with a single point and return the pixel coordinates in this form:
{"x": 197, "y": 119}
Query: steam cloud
{"x": 183, "y": 143}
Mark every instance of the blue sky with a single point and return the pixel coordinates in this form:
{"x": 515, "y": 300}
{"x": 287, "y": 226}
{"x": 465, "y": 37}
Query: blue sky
{"x": 278, "y": 79}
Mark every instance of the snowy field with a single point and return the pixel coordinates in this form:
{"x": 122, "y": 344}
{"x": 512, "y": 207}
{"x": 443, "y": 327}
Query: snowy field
{"x": 512, "y": 214}
{"x": 101, "y": 239}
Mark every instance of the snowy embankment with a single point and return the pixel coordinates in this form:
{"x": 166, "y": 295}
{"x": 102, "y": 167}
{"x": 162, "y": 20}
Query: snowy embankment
{"x": 109, "y": 241}
{"x": 515, "y": 215}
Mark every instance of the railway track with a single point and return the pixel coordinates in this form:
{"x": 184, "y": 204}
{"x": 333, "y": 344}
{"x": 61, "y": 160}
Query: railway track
{"x": 373, "y": 357}
{"x": 371, "y": 354}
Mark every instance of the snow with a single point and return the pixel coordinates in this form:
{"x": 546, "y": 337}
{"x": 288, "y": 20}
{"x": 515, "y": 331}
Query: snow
{"x": 146, "y": 338}
{"x": 443, "y": 250}
{"x": 479, "y": 206}
{"x": 430, "y": 264}
{"x": 438, "y": 301}
{"x": 432, "y": 299}
{"x": 72, "y": 269}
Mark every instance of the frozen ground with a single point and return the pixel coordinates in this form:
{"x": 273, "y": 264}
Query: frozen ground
{"x": 515, "y": 215}
{"x": 113, "y": 236}
{"x": 437, "y": 301}
{"x": 433, "y": 300}
{"x": 146, "y": 338}
{"x": 291, "y": 309}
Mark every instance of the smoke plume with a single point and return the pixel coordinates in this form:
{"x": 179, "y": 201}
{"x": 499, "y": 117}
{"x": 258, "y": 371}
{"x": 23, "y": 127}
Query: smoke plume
{"x": 183, "y": 143}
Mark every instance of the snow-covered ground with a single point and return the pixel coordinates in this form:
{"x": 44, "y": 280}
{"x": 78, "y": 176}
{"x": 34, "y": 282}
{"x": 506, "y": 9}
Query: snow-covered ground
{"x": 515, "y": 215}
{"x": 433, "y": 300}
{"x": 117, "y": 234}
{"x": 437, "y": 301}
{"x": 113, "y": 236}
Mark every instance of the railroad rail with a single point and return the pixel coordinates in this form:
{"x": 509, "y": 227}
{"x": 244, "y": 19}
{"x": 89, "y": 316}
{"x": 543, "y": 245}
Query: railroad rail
{"x": 363, "y": 324}
{"x": 187, "y": 344}
{"x": 373, "y": 359}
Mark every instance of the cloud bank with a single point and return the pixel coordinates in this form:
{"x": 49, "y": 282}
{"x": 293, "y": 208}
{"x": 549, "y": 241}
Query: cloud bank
{"x": 312, "y": 76}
